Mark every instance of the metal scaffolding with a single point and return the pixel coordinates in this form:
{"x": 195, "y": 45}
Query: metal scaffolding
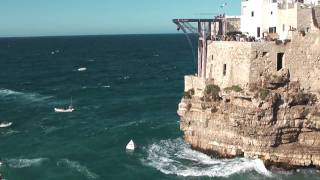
{"x": 206, "y": 29}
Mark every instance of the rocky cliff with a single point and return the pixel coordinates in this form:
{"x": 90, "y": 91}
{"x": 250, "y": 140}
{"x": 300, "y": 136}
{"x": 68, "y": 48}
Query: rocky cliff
{"x": 274, "y": 120}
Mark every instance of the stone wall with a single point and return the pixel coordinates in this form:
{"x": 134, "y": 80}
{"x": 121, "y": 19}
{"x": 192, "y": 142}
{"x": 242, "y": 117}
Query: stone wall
{"x": 265, "y": 60}
{"x": 241, "y": 63}
{"x": 235, "y": 56}
{"x": 198, "y": 84}
{"x": 303, "y": 60}
{"x": 304, "y": 19}
{"x": 244, "y": 61}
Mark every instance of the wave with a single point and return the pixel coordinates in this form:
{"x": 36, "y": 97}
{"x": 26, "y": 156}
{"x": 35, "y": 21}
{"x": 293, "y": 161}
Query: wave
{"x": 177, "y": 158}
{"x": 78, "y": 167}
{"x": 23, "y": 163}
{"x": 9, "y": 132}
{"x": 29, "y": 97}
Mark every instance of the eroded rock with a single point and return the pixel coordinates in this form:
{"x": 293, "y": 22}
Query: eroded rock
{"x": 274, "y": 120}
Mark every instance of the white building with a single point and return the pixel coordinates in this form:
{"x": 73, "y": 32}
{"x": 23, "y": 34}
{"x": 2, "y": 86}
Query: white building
{"x": 258, "y": 16}
{"x": 275, "y": 16}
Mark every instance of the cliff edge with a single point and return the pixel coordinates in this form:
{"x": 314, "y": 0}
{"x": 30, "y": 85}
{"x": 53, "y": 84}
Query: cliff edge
{"x": 273, "y": 119}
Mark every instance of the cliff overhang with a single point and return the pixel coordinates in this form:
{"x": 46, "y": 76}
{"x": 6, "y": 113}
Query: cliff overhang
{"x": 273, "y": 119}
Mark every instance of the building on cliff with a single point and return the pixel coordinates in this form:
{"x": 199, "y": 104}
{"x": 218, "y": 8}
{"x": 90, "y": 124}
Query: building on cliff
{"x": 257, "y": 87}
{"x": 290, "y": 40}
{"x": 260, "y": 17}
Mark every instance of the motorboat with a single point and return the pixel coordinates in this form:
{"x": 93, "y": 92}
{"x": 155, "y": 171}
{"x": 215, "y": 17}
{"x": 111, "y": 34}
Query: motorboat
{"x": 65, "y": 110}
{"x": 62, "y": 110}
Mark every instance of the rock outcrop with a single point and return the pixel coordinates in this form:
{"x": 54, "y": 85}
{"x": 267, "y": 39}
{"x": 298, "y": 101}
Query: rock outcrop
{"x": 274, "y": 120}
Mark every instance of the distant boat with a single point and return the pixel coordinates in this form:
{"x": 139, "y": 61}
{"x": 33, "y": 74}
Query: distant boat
{"x": 82, "y": 69}
{"x": 62, "y": 110}
{"x": 65, "y": 110}
{"x": 5, "y": 124}
{"x": 131, "y": 145}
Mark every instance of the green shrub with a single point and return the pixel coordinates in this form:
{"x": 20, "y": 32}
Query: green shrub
{"x": 235, "y": 88}
{"x": 212, "y": 91}
{"x": 264, "y": 93}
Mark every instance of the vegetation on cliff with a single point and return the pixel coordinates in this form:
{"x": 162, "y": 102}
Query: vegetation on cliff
{"x": 211, "y": 92}
{"x": 235, "y": 88}
{"x": 272, "y": 119}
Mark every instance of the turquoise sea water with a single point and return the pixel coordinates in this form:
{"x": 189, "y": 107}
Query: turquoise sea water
{"x": 130, "y": 90}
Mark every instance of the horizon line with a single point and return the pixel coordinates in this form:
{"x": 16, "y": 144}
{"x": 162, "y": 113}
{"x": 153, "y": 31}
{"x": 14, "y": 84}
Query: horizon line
{"x": 76, "y": 35}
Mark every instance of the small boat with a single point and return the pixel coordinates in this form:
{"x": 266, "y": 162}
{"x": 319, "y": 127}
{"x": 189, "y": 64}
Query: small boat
{"x": 65, "y": 110}
{"x": 5, "y": 124}
{"x": 62, "y": 110}
{"x": 82, "y": 69}
{"x": 131, "y": 145}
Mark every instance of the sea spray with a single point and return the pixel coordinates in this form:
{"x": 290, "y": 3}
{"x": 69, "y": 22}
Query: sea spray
{"x": 24, "y": 163}
{"x": 24, "y": 96}
{"x": 74, "y": 165}
{"x": 177, "y": 158}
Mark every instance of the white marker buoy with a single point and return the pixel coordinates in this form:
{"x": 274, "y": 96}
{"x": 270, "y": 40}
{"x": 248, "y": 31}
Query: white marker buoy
{"x": 130, "y": 145}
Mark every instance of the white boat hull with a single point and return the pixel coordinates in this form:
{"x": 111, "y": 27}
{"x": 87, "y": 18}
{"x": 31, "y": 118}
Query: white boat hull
{"x": 63, "y": 110}
{"x": 4, "y": 125}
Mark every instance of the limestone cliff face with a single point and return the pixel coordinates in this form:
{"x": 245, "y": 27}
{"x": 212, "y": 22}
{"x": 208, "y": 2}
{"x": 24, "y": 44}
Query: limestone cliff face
{"x": 272, "y": 119}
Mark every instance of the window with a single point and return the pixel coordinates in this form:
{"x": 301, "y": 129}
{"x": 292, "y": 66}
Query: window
{"x": 279, "y": 61}
{"x": 271, "y": 12}
{"x": 224, "y": 70}
{"x": 258, "y": 32}
{"x": 283, "y": 27}
{"x": 252, "y": 13}
{"x": 272, "y": 29}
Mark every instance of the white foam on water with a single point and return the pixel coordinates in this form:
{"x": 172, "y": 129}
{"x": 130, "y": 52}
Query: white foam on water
{"x": 23, "y": 163}
{"x": 8, "y": 92}
{"x": 29, "y": 97}
{"x": 9, "y": 132}
{"x": 177, "y": 158}
{"x": 77, "y": 167}
{"x": 106, "y": 86}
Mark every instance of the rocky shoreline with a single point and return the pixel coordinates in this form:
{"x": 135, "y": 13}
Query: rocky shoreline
{"x": 273, "y": 120}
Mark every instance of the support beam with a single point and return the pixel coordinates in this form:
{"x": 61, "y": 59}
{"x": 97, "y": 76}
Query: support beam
{"x": 204, "y": 30}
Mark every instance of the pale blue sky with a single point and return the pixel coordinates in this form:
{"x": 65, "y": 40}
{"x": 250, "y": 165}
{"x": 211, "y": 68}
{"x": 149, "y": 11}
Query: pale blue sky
{"x": 81, "y": 17}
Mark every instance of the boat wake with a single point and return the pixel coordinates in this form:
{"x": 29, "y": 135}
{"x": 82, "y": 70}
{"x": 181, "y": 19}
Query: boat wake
{"x": 28, "y": 97}
{"x": 177, "y": 158}
{"x": 23, "y": 163}
{"x": 77, "y": 167}
{"x": 8, "y": 132}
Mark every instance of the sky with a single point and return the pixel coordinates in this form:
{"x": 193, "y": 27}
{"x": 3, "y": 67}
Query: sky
{"x": 95, "y": 17}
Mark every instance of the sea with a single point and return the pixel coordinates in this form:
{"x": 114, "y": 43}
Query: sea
{"x": 128, "y": 88}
